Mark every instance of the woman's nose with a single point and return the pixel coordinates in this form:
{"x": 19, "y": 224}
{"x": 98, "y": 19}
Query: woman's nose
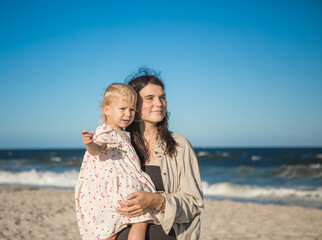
{"x": 157, "y": 102}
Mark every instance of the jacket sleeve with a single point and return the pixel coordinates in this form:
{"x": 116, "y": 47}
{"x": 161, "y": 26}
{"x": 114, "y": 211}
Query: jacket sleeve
{"x": 185, "y": 204}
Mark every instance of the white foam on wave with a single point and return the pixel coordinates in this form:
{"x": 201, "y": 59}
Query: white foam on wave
{"x": 64, "y": 179}
{"x": 315, "y": 166}
{"x": 202, "y": 154}
{"x": 226, "y": 189}
{"x": 301, "y": 171}
{"x": 56, "y": 159}
{"x": 256, "y": 158}
{"x": 68, "y": 179}
{"x": 318, "y": 156}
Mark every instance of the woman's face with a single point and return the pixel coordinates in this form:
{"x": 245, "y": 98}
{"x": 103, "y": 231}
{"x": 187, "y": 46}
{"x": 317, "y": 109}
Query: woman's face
{"x": 152, "y": 104}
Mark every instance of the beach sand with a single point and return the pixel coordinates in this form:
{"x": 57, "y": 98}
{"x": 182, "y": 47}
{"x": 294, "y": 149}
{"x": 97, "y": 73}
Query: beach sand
{"x": 32, "y": 213}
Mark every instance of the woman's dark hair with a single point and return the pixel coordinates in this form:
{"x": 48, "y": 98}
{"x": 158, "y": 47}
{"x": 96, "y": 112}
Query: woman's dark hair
{"x": 143, "y": 77}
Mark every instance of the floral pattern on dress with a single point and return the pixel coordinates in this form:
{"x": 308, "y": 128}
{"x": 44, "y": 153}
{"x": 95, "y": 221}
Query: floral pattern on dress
{"x": 106, "y": 179}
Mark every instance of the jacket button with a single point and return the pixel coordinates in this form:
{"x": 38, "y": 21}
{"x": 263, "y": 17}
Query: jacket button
{"x": 164, "y": 173}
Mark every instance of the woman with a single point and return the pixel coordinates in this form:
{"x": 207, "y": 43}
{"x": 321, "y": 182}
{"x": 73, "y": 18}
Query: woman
{"x": 170, "y": 161}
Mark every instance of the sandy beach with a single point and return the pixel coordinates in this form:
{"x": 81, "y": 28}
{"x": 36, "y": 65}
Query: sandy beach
{"x": 32, "y": 213}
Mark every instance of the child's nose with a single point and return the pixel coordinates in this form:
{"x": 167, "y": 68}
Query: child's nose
{"x": 128, "y": 112}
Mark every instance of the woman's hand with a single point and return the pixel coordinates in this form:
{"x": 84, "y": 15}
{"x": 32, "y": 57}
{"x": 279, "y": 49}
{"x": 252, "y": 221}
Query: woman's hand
{"x": 138, "y": 203}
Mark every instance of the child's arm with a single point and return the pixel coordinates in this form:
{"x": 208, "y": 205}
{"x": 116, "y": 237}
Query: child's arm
{"x": 93, "y": 148}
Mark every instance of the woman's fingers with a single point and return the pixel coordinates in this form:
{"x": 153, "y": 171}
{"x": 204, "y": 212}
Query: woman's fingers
{"x": 135, "y": 214}
{"x": 126, "y": 210}
{"x": 137, "y": 203}
{"x": 130, "y": 208}
{"x": 132, "y": 199}
{"x": 130, "y": 211}
{"x": 134, "y": 195}
{"x": 129, "y": 204}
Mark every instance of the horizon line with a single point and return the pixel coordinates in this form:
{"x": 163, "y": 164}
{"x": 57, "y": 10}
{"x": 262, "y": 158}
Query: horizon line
{"x": 195, "y": 147}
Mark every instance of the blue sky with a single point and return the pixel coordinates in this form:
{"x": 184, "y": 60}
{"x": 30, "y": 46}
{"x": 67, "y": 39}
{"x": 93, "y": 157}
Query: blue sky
{"x": 237, "y": 73}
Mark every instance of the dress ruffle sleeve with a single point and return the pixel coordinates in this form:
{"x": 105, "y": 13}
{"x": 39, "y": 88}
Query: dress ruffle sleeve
{"x": 108, "y": 135}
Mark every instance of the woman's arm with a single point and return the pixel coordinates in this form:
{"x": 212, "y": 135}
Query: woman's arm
{"x": 184, "y": 203}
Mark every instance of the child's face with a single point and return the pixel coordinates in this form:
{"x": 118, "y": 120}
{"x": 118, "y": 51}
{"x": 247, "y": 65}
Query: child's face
{"x": 120, "y": 113}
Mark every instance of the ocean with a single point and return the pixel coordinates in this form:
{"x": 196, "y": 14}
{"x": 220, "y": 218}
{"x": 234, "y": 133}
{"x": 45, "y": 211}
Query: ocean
{"x": 286, "y": 176}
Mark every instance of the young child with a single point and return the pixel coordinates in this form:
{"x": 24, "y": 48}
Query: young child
{"x": 110, "y": 171}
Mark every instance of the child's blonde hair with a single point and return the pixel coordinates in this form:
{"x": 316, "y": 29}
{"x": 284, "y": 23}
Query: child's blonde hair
{"x": 117, "y": 90}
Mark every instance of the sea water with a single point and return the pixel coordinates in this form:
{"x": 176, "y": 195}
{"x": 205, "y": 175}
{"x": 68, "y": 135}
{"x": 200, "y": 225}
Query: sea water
{"x": 289, "y": 176}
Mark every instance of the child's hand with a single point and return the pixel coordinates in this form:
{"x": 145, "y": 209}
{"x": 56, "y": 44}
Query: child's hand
{"x": 87, "y": 137}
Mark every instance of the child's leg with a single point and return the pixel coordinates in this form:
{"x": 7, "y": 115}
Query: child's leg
{"x": 111, "y": 238}
{"x": 137, "y": 231}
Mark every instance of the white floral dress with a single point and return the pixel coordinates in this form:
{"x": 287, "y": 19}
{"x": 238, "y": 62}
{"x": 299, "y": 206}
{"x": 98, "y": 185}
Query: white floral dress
{"x": 106, "y": 179}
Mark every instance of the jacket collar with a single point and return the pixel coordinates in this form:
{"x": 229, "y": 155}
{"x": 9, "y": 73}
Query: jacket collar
{"x": 159, "y": 148}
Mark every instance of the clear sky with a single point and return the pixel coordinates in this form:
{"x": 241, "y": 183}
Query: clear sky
{"x": 237, "y": 73}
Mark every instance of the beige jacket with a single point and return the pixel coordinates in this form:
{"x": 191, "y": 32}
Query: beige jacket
{"x": 183, "y": 191}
